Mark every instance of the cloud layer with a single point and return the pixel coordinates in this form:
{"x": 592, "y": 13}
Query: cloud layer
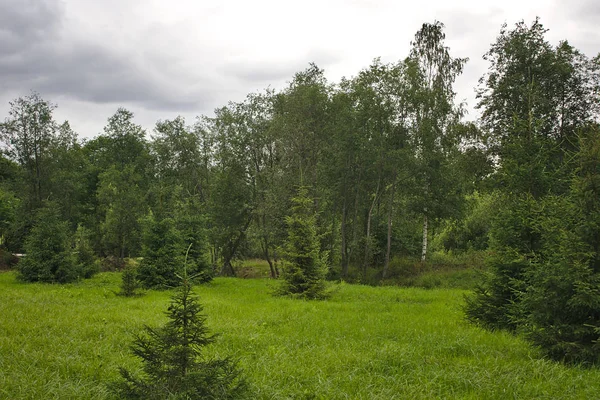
{"x": 186, "y": 57}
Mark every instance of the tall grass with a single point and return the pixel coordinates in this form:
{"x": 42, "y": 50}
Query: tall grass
{"x": 67, "y": 342}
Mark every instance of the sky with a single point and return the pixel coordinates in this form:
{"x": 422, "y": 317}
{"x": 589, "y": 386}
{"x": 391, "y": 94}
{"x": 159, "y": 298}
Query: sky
{"x": 161, "y": 59}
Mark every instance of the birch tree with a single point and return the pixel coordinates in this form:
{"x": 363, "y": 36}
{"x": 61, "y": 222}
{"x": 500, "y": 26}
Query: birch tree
{"x": 432, "y": 72}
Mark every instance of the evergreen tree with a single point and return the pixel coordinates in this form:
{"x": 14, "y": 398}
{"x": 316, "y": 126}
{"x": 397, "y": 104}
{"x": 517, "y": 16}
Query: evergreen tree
{"x": 162, "y": 249}
{"x": 561, "y": 305}
{"x": 191, "y": 223}
{"x": 49, "y": 257}
{"x": 129, "y": 281}
{"x": 534, "y": 99}
{"x": 305, "y": 269}
{"x": 85, "y": 257}
{"x": 174, "y": 366}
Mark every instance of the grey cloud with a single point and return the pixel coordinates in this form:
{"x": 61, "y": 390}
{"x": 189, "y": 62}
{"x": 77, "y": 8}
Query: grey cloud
{"x": 586, "y": 14}
{"x": 36, "y": 55}
{"x": 270, "y": 72}
{"x": 28, "y": 20}
{"x": 260, "y": 73}
{"x": 584, "y": 10}
{"x": 469, "y": 26}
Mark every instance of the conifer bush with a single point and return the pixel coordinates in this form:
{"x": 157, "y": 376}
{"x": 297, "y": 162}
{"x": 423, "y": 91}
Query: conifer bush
{"x": 162, "y": 247}
{"x": 49, "y": 256}
{"x": 305, "y": 268}
{"x": 562, "y": 301}
{"x": 129, "y": 281}
{"x": 545, "y": 269}
{"x": 85, "y": 257}
{"x": 173, "y": 364}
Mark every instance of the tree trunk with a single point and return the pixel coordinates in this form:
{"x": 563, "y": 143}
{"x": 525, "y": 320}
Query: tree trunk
{"x": 227, "y": 267}
{"x": 368, "y": 234}
{"x": 355, "y": 218}
{"x": 344, "y": 241}
{"x": 424, "y": 248}
{"x": 38, "y": 178}
{"x": 122, "y": 250}
{"x": 275, "y": 262}
{"x": 265, "y": 246}
{"x": 274, "y": 274}
{"x": 388, "y": 251}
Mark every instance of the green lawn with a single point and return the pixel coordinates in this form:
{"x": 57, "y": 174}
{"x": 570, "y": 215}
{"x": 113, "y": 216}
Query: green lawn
{"x": 67, "y": 342}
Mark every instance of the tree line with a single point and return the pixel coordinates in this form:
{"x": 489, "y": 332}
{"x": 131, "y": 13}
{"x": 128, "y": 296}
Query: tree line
{"x": 384, "y": 165}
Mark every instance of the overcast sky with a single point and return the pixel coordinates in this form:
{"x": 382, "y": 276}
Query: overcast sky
{"x": 163, "y": 58}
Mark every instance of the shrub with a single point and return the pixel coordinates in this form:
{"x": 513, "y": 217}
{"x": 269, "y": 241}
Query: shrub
{"x": 162, "y": 253}
{"x": 7, "y": 259}
{"x": 561, "y": 305}
{"x": 163, "y": 246}
{"x": 174, "y": 367}
{"x": 85, "y": 257}
{"x": 516, "y": 244}
{"x": 48, "y": 250}
{"x": 472, "y": 232}
{"x": 112, "y": 263}
{"x": 129, "y": 281}
{"x": 305, "y": 268}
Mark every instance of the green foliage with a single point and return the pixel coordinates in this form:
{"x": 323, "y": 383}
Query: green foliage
{"x": 472, "y": 231}
{"x": 547, "y": 287}
{"x": 163, "y": 250}
{"x": 174, "y": 365}
{"x": 191, "y": 223}
{"x": 162, "y": 253}
{"x": 442, "y": 270}
{"x": 544, "y": 266}
{"x": 7, "y": 259}
{"x": 112, "y": 263}
{"x": 230, "y": 209}
{"x": 562, "y": 302}
{"x": 85, "y": 257}
{"x": 67, "y": 175}
{"x": 27, "y": 135}
{"x": 8, "y": 206}
{"x": 120, "y": 204}
{"x": 305, "y": 269}
{"x": 562, "y": 305}
{"x": 49, "y": 257}
{"x": 124, "y": 143}
{"x": 516, "y": 241}
{"x": 129, "y": 281}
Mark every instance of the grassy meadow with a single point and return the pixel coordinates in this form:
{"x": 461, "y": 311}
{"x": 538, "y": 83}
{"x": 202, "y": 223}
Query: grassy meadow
{"x": 68, "y": 341}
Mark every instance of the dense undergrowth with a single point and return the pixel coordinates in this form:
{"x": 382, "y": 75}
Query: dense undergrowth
{"x": 442, "y": 270}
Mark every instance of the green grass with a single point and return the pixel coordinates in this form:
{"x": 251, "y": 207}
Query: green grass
{"x": 67, "y": 342}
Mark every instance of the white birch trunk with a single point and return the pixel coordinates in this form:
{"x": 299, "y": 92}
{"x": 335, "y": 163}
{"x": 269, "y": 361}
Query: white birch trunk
{"x": 424, "y": 249}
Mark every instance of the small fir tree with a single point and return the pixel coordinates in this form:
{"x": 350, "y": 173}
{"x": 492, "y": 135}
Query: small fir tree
{"x": 129, "y": 281}
{"x": 305, "y": 268}
{"x": 162, "y": 246}
{"x": 49, "y": 257}
{"x": 163, "y": 243}
{"x": 85, "y": 257}
{"x": 174, "y": 366}
{"x": 191, "y": 223}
